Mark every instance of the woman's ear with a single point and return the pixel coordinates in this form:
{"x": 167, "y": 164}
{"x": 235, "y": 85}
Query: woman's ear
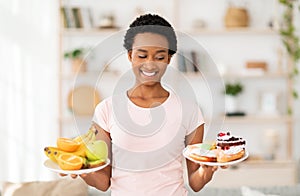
{"x": 129, "y": 55}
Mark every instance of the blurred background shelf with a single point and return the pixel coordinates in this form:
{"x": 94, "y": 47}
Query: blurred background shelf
{"x": 233, "y": 31}
{"x": 257, "y": 174}
{"x": 238, "y": 75}
{"x": 88, "y": 32}
{"x": 230, "y": 48}
{"x": 206, "y": 31}
{"x": 259, "y": 119}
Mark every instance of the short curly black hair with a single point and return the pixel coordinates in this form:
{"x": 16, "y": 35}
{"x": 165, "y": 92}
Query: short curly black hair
{"x": 154, "y": 24}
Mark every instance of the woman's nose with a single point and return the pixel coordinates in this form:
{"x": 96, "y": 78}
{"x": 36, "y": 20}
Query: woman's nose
{"x": 149, "y": 64}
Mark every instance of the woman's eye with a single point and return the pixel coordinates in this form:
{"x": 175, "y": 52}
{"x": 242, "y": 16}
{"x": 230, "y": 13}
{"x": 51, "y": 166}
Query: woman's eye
{"x": 142, "y": 56}
{"x": 160, "y": 58}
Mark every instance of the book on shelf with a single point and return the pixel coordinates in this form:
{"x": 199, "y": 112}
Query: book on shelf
{"x": 76, "y": 17}
{"x": 188, "y": 61}
{"x": 63, "y": 15}
{"x": 86, "y": 16}
{"x": 69, "y": 21}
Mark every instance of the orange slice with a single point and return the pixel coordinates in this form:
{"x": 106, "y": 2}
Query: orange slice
{"x": 68, "y": 161}
{"x": 67, "y": 144}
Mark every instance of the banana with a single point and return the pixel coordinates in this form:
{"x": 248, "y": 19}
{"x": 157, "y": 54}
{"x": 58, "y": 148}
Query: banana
{"x": 80, "y": 138}
{"x": 88, "y": 138}
{"x": 93, "y": 138}
{"x": 80, "y": 151}
{"x": 53, "y": 152}
{"x": 85, "y": 164}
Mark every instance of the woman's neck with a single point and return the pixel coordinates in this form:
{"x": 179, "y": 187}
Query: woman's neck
{"x": 148, "y": 91}
{"x": 148, "y": 96}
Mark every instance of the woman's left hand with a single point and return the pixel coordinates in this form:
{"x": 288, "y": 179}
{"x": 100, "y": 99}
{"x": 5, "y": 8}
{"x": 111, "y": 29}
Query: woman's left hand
{"x": 206, "y": 172}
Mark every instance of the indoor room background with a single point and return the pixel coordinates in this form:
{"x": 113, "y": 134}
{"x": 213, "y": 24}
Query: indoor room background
{"x": 38, "y": 80}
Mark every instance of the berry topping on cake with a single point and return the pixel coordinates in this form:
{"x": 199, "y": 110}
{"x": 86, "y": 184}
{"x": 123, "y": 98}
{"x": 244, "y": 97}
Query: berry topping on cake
{"x": 228, "y": 142}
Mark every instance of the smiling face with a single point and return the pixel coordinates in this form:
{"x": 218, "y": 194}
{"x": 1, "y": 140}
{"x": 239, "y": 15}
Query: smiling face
{"x": 149, "y": 57}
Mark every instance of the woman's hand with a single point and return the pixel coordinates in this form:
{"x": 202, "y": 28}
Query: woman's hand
{"x": 88, "y": 178}
{"x": 224, "y": 166}
{"x": 206, "y": 172}
{"x": 99, "y": 179}
{"x": 72, "y": 175}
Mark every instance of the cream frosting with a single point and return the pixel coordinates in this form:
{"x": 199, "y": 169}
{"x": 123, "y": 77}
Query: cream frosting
{"x": 203, "y": 152}
{"x": 223, "y": 136}
{"x": 234, "y": 149}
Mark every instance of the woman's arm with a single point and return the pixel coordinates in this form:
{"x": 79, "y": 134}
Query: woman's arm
{"x": 100, "y": 179}
{"x": 198, "y": 175}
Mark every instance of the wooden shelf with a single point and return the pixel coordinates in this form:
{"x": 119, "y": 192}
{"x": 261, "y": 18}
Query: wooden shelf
{"x": 258, "y": 119}
{"x": 260, "y": 173}
{"x": 88, "y": 32}
{"x": 70, "y": 76}
{"x": 70, "y": 119}
{"x": 88, "y": 74}
{"x": 253, "y": 119}
{"x": 276, "y": 75}
{"x": 72, "y": 36}
{"x": 224, "y": 31}
{"x": 256, "y": 76}
{"x": 267, "y": 162}
{"x": 229, "y": 31}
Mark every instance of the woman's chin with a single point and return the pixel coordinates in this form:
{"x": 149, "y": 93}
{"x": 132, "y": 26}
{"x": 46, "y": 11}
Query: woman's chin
{"x": 149, "y": 82}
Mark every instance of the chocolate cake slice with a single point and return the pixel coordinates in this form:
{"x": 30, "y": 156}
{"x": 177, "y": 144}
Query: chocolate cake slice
{"x": 225, "y": 141}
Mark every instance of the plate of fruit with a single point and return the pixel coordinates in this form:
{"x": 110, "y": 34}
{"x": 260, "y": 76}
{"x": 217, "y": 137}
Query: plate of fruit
{"x": 80, "y": 155}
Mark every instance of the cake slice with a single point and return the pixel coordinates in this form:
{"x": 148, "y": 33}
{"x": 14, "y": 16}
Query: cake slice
{"x": 229, "y": 147}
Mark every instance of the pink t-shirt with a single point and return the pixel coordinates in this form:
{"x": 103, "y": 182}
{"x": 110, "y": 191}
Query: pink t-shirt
{"x": 147, "y": 143}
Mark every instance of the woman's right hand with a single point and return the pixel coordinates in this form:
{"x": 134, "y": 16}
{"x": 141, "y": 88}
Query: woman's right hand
{"x": 72, "y": 175}
{"x": 90, "y": 178}
{"x": 98, "y": 179}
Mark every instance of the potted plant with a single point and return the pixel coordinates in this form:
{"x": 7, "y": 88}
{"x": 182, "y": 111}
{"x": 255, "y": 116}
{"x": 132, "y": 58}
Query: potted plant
{"x": 77, "y": 61}
{"x": 232, "y": 90}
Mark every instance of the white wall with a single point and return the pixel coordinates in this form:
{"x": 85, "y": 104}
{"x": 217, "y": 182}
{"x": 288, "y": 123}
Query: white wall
{"x": 230, "y": 50}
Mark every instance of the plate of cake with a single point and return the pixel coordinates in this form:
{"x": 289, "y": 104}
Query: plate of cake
{"x": 227, "y": 149}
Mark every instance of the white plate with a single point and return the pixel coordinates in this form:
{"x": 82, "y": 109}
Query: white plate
{"x": 186, "y": 155}
{"x": 55, "y": 168}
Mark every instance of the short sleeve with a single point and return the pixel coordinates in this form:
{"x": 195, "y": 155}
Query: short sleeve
{"x": 195, "y": 119}
{"x": 101, "y": 115}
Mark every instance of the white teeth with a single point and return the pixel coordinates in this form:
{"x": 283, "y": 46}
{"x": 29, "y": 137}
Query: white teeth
{"x": 148, "y": 73}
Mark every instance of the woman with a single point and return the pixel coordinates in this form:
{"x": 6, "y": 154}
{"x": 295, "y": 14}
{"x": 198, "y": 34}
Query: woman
{"x": 146, "y": 147}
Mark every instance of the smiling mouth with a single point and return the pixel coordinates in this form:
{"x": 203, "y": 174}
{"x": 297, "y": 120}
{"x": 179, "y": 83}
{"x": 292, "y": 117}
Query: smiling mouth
{"x": 148, "y": 74}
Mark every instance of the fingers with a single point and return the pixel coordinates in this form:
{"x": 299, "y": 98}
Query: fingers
{"x": 206, "y": 172}
{"x": 212, "y": 168}
{"x": 74, "y": 176}
{"x": 215, "y": 168}
{"x": 224, "y": 166}
{"x": 83, "y": 175}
